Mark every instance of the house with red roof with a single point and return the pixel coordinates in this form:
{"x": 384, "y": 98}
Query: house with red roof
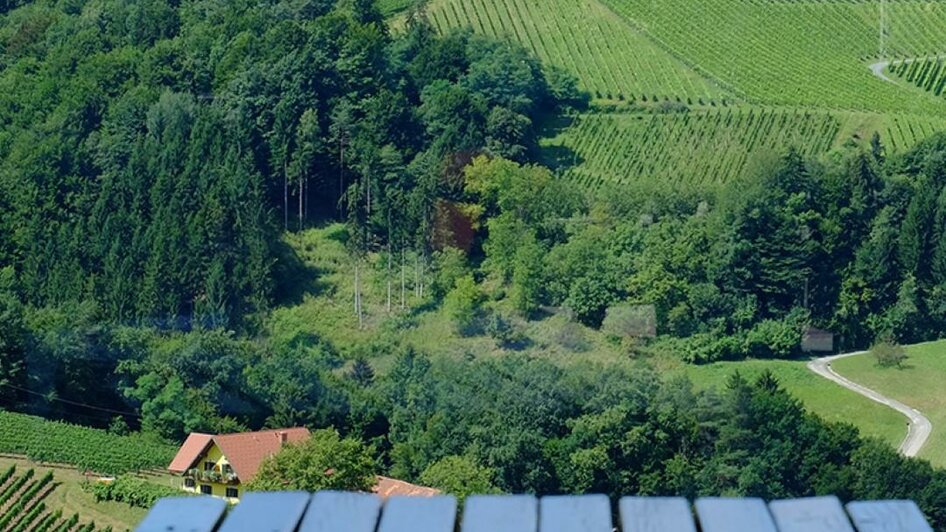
{"x": 220, "y": 464}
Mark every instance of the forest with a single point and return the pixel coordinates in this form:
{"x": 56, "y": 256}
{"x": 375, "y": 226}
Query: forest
{"x": 154, "y": 152}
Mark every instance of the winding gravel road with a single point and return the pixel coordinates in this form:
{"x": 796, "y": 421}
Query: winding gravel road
{"x": 918, "y": 428}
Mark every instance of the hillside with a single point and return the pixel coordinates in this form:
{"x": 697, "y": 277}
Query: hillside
{"x": 917, "y": 384}
{"x": 797, "y": 53}
{"x": 570, "y": 245}
{"x": 612, "y": 59}
{"x": 811, "y": 60}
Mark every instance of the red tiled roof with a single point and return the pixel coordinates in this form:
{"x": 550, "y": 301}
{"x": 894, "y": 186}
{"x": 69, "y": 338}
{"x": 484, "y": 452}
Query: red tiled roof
{"x": 245, "y": 451}
{"x": 193, "y": 447}
{"x": 389, "y": 487}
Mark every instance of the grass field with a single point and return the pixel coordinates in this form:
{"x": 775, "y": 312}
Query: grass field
{"x": 920, "y": 385}
{"x": 820, "y": 396}
{"x": 611, "y": 58}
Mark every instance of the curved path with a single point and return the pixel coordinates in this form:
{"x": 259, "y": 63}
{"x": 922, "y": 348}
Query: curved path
{"x": 919, "y": 427}
{"x": 878, "y": 68}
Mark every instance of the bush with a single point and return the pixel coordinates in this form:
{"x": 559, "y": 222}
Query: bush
{"x": 705, "y": 348}
{"x": 449, "y": 266}
{"x": 630, "y": 321}
{"x": 773, "y": 339}
{"x": 502, "y": 330}
{"x": 460, "y": 476}
{"x": 571, "y": 336}
{"x": 462, "y": 304}
{"x": 889, "y": 354}
{"x": 132, "y": 491}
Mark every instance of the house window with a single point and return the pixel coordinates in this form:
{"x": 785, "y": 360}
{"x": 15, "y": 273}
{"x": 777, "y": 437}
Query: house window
{"x": 189, "y": 483}
{"x": 233, "y": 493}
{"x": 209, "y": 466}
{"x": 205, "y": 489}
{"x": 227, "y": 469}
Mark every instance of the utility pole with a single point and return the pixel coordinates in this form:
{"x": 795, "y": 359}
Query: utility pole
{"x": 883, "y": 29}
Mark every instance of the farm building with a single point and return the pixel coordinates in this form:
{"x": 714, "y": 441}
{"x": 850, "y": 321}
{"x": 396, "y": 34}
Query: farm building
{"x": 219, "y": 465}
{"x": 817, "y": 341}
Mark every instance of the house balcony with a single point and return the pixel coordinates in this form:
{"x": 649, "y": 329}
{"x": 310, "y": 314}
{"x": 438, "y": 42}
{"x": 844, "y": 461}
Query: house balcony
{"x": 213, "y": 476}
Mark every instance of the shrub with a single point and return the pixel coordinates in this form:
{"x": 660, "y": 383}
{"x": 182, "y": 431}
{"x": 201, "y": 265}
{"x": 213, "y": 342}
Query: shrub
{"x": 462, "y": 304}
{"x": 132, "y": 491}
{"x": 889, "y": 354}
{"x": 630, "y": 321}
{"x": 572, "y": 337}
{"x": 460, "y": 476}
{"x": 502, "y": 330}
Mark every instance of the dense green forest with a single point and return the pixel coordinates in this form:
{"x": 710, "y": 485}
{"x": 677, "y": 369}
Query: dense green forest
{"x": 154, "y": 152}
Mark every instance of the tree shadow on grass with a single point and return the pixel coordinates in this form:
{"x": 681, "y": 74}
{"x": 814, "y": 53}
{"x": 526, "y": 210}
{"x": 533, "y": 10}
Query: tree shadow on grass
{"x": 294, "y": 278}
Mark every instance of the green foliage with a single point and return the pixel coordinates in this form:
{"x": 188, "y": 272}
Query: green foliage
{"x": 130, "y": 490}
{"x": 460, "y": 476}
{"x": 449, "y": 265}
{"x": 504, "y": 331}
{"x": 527, "y": 275}
{"x": 324, "y": 462}
{"x": 889, "y": 354}
{"x": 13, "y": 337}
{"x": 85, "y": 448}
{"x": 462, "y": 304}
{"x": 626, "y": 321}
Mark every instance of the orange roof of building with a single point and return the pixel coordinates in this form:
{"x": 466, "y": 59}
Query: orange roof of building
{"x": 245, "y": 451}
{"x": 193, "y": 447}
{"x": 389, "y": 487}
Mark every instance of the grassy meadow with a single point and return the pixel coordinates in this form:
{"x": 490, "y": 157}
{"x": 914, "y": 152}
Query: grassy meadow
{"x": 919, "y": 384}
{"x": 820, "y": 396}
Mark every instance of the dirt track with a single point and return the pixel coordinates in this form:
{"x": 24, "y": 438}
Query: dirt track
{"x": 919, "y": 426}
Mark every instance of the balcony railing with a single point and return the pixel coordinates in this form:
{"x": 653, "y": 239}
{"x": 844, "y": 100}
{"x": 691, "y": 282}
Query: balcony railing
{"x": 213, "y": 476}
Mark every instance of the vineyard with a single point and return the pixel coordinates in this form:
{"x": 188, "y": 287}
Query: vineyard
{"x": 809, "y": 53}
{"x": 928, "y": 74}
{"x": 611, "y": 59}
{"x": 86, "y": 448}
{"x": 708, "y": 147}
{"x": 22, "y": 506}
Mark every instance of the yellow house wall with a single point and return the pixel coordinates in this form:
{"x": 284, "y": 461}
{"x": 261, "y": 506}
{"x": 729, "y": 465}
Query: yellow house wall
{"x": 215, "y": 455}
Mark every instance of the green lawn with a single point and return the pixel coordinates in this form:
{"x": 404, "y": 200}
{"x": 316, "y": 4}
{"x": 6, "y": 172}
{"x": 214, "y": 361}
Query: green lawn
{"x": 819, "y": 395}
{"x": 919, "y": 384}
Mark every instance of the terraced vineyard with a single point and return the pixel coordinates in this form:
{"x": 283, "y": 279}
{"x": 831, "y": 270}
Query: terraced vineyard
{"x": 928, "y": 74}
{"x": 708, "y": 147}
{"x": 808, "y": 53}
{"x": 83, "y": 447}
{"x": 22, "y": 506}
{"x": 611, "y": 59}
{"x": 696, "y": 148}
